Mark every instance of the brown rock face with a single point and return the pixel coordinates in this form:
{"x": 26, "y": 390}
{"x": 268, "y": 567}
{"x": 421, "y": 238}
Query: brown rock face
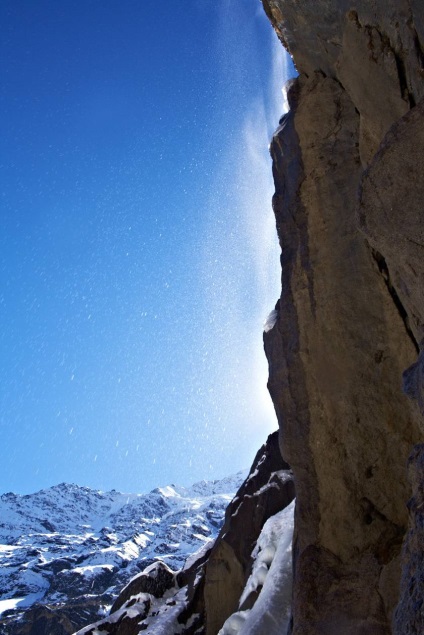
{"x": 391, "y": 211}
{"x": 351, "y": 309}
{"x": 372, "y": 48}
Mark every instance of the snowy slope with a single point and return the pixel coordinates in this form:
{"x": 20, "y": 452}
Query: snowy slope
{"x": 70, "y": 543}
{"x": 270, "y": 581}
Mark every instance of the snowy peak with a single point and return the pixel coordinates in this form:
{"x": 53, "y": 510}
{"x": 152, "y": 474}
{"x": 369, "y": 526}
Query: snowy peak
{"x": 65, "y": 544}
{"x": 68, "y": 508}
{"x": 218, "y": 590}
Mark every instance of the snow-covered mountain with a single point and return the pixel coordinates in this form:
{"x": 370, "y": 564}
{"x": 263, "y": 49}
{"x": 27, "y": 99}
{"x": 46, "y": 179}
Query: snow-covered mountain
{"x": 75, "y": 548}
{"x": 238, "y": 584}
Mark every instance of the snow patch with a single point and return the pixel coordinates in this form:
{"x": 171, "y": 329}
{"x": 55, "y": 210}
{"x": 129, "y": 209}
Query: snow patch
{"x": 271, "y": 321}
{"x": 168, "y": 491}
{"x": 24, "y": 602}
{"x": 272, "y": 576}
{"x": 164, "y": 621}
{"x": 6, "y": 548}
{"x": 7, "y": 605}
{"x": 91, "y": 571}
{"x": 200, "y": 553}
{"x": 234, "y": 623}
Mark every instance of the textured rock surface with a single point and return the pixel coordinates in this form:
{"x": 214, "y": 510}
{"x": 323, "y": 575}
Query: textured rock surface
{"x": 372, "y": 49}
{"x": 409, "y": 617}
{"x": 336, "y": 357}
{"x": 350, "y": 313}
{"x": 391, "y": 211}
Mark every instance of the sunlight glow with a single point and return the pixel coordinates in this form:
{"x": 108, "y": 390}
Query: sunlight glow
{"x": 241, "y": 257}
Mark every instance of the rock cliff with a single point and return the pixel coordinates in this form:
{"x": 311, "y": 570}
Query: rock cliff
{"x": 347, "y": 163}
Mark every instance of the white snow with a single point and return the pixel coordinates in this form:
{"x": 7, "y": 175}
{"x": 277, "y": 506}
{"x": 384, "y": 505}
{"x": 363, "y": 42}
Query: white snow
{"x": 272, "y": 576}
{"x": 201, "y": 537}
{"x": 33, "y": 580}
{"x": 6, "y": 605}
{"x": 74, "y": 533}
{"x": 282, "y": 475}
{"x": 163, "y": 619}
{"x": 168, "y": 491}
{"x": 91, "y": 571}
{"x": 23, "y": 602}
{"x": 199, "y": 553}
{"x": 271, "y": 321}
{"x": 234, "y": 623}
{"x": 6, "y": 548}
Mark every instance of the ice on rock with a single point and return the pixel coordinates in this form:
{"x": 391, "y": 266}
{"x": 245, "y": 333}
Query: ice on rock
{"x": 260, "y": 574}
{"x": 235, "y": 622}
{"x": 267, "y": 555}
{"x": 272, "y": 576}
{"x": 271, "y": 320}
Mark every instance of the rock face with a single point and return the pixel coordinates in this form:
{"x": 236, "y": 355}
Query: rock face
{"x": 409, "y": 616}
{"x": 347, "y": 163}
{"x": 390, "y": 212}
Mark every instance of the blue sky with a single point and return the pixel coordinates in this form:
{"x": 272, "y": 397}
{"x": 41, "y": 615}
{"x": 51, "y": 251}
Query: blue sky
{"x": 138, "y": 257}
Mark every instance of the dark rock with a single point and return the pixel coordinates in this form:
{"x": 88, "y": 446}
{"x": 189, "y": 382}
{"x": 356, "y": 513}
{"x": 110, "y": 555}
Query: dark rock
{"x": 47, "y": 620}
{"x": 48, "y": 525}
{"x": 154, "y": 580}
{"x": 413, "y": 382}
{"x": 124, "y": 624}
{"x": 72, "y": 584}
{"x": 409, "y": 615}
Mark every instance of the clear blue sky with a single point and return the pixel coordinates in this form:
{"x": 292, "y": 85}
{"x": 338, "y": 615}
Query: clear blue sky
{"x": 138, "y": 257}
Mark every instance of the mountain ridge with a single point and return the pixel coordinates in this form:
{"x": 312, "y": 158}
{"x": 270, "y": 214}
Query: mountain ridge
{"x": 73, "y": 543}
